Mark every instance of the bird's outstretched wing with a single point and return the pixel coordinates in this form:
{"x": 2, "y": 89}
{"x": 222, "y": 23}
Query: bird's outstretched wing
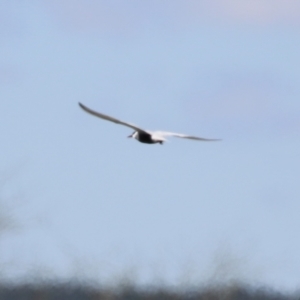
{"x": 184, "y": 136}
{"x": 108, "y": 118}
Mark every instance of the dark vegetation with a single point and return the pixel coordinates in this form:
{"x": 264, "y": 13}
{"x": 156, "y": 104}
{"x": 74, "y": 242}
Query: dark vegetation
{"x": 77, "y": 291}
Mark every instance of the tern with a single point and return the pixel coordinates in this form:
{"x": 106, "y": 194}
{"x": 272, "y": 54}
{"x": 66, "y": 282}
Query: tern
{"x": 144, "y": 136}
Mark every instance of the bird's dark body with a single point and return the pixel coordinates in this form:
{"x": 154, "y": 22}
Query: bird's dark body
{"x": 145, "y": 138}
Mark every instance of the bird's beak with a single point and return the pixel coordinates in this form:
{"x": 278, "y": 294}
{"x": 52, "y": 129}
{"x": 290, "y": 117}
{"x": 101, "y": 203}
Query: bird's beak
{"x": 130, "y": 136}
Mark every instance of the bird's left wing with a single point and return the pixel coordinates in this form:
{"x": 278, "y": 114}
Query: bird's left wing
{"x": 111, "y": 119}
{"x": 184, "y": 136}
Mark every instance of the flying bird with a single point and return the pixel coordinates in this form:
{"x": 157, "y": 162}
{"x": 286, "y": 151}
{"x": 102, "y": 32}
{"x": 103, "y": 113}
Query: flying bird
{"x": 144, "y": 136}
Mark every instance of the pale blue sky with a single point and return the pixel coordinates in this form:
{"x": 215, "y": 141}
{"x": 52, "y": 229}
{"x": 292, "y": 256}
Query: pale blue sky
{"x": 89, "y": 200}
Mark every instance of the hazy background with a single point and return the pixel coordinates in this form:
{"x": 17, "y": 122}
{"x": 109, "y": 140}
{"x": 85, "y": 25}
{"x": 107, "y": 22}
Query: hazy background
{"x": 89, "y": 203}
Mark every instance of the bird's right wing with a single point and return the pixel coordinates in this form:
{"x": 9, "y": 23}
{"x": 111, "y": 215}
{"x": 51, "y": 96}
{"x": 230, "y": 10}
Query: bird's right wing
{"x": 108, "y": 118}
{"x": 184, "y": 136}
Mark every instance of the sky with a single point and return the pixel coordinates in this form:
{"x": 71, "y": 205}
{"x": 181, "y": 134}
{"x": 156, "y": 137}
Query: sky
{"x": 86, "y": 202}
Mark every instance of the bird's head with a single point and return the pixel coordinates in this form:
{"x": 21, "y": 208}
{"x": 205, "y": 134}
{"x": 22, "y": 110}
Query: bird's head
{"x": 133, "y": 135}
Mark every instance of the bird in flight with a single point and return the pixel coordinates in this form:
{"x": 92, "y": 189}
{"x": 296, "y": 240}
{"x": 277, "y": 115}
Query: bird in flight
{"x": 144, "y": 136}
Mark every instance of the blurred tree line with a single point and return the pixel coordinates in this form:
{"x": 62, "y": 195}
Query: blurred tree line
{"x": 77, "y": 291}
